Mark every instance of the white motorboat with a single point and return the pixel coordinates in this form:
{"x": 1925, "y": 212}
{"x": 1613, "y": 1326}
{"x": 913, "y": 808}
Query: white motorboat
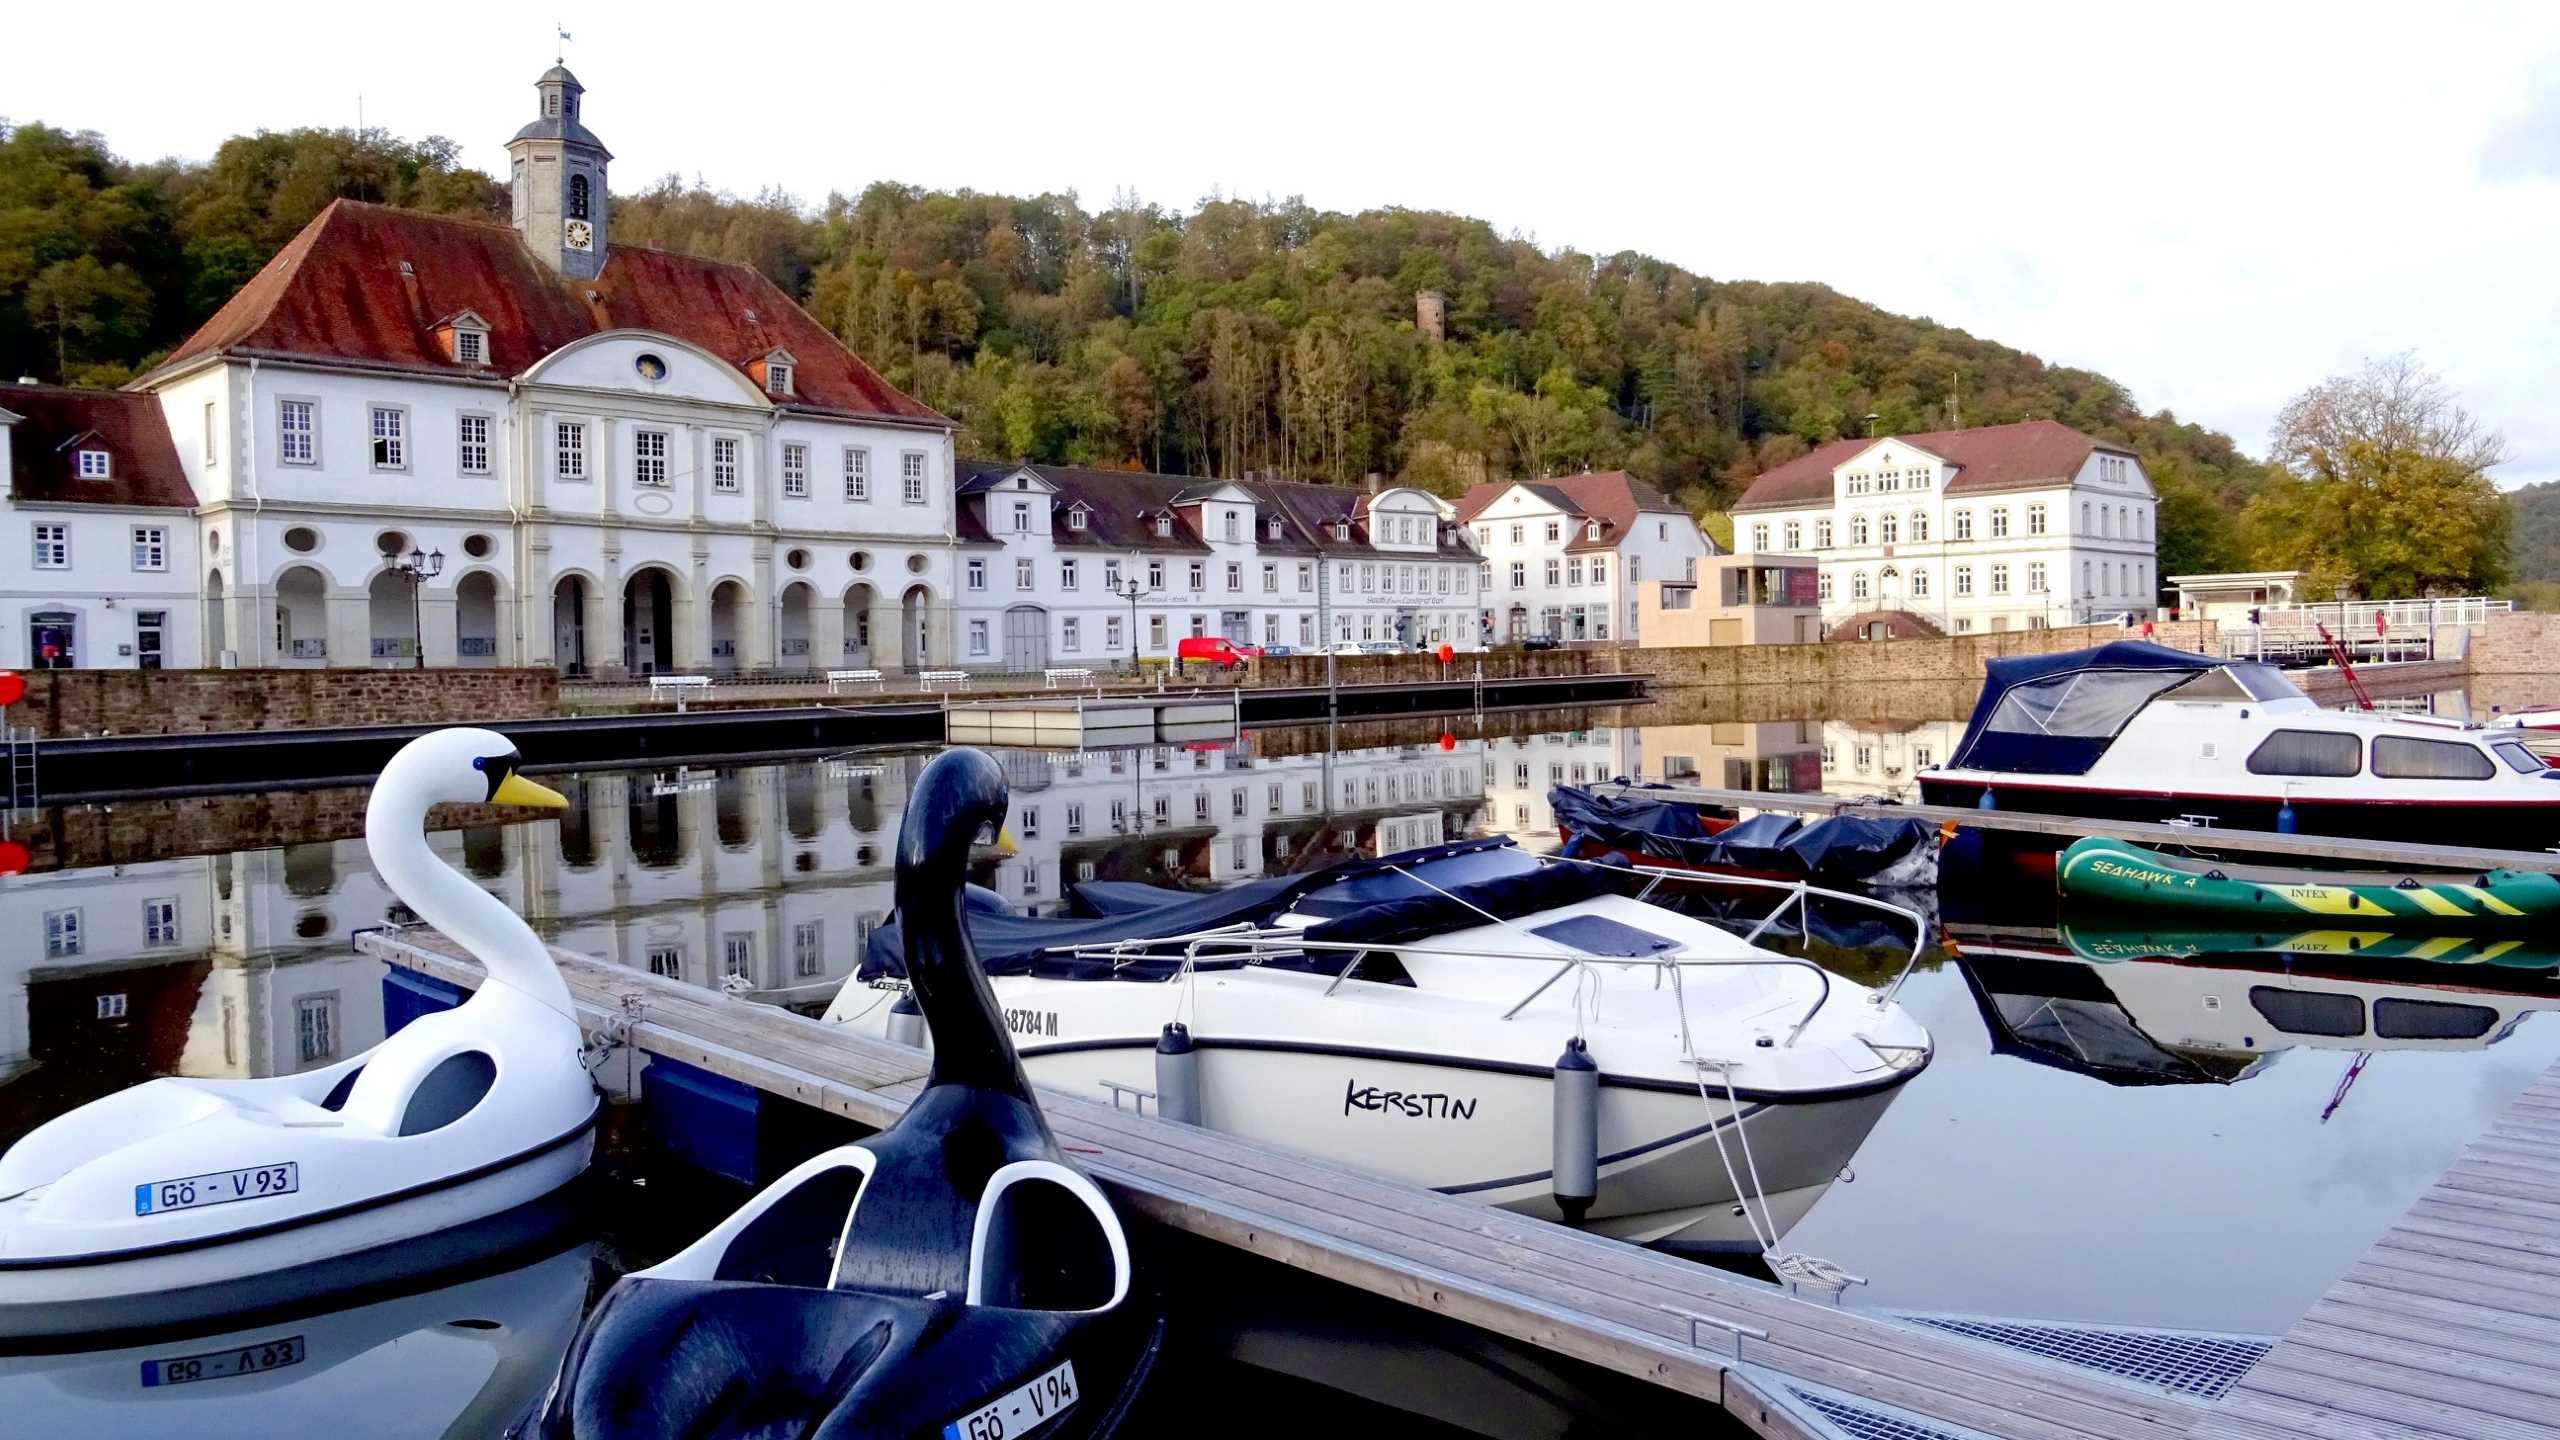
{"x": 1411, "y": 1015}
{"x": 180, "y": 1199}
{"x": 2136, "y": 731}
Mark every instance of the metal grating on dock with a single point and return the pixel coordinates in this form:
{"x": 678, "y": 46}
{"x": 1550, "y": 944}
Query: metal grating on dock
{"x": 2449, "y": 1326}
{"x": 2201, "y": 1363}
{"x": 1857, "y": 1420}
{"x": 1572, "y": 1294}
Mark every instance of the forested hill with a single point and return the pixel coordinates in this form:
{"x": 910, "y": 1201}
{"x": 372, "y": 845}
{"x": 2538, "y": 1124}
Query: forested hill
{"x": 1232, "y": 336}
{"x": 2537, "y": 542}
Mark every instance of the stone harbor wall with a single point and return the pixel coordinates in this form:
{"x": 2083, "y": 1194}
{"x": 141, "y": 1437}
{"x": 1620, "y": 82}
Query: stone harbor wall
{"x": 2520, "y": 643}
{"x": 68, "y": 703}
{"x": 1857, "y": 663}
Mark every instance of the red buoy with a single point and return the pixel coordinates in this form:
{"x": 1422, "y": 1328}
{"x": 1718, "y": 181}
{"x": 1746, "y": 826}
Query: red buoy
{"x": 13, "y": 687}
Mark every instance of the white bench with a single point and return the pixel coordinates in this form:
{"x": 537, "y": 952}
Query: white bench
{"x": 839, "y": 678}
{"x": 661, "y": 686}
{"x": 1068, "y": 675}
{"x": 944, "y": 680}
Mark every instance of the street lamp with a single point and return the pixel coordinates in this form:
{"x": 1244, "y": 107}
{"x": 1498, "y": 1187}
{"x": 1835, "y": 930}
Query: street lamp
{"x": 421, "y": 567}
{"x": 1131, "y": 590}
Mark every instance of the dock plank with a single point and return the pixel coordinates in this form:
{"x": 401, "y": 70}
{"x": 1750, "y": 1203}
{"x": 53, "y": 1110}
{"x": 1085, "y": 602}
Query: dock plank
{"x": 1565, "y": 1291}
{"x": 2448, "y": 1328}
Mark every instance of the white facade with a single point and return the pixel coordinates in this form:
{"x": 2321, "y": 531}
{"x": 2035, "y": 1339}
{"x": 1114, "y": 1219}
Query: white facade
{"x": 1050, "y": 586}
{"x": 1891, "y": 537}
{"x": 92, "y": 584}
{"x": 1550, "y": 572}
{"x": 591, "y": 516}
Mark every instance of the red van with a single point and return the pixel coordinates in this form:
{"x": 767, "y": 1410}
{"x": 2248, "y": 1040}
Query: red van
{"x": 1216, "y": 650}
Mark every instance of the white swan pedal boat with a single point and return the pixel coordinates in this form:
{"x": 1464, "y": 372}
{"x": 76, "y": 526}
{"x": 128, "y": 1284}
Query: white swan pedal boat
{"x": 183, "y": 1199}
{"x": 1407, "y": 1015}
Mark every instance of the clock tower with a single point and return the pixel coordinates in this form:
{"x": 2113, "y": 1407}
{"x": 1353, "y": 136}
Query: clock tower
{"x": 558, "y": 180}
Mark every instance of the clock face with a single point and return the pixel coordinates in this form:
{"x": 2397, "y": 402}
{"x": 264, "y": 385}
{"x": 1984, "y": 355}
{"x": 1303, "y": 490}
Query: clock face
{"x": 580, "y": 235}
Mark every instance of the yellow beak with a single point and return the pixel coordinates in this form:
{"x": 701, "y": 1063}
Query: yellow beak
{"x": 517, "y": 790}
{"x": 1004, "y": 840}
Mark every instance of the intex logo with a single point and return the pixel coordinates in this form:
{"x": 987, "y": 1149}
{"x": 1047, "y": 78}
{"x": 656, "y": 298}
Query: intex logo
{"x": 1416, "y": 1105}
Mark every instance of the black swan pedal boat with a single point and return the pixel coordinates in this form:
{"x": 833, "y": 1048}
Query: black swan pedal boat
{"x": 953, "y": 1275}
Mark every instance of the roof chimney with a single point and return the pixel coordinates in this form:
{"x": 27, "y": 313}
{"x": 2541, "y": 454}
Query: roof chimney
{"x": 1374, "y": 478}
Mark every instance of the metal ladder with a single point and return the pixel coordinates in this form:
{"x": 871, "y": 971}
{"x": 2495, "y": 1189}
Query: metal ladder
{"x": 21, "y": 793}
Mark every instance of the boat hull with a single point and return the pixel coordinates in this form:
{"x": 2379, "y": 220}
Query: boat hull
{"x": 1486, "y": 1133}
{"x": 2513, "y": 825}
{"x": 2114, "y": 873}
{"x": 380, "y": 1244}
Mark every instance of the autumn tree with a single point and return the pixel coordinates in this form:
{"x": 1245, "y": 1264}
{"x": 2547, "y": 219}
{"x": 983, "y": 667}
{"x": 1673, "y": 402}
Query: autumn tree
{"x": 2382, "y": 482}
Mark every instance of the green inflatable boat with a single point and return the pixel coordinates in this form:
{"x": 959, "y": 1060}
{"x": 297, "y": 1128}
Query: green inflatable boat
{"x": 2113, "y": 873}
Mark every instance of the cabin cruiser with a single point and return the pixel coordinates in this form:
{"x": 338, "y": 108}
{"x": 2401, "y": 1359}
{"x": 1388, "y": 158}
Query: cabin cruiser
{"x": 1420, "y": 1015}
{"x": 2136, "y": 731}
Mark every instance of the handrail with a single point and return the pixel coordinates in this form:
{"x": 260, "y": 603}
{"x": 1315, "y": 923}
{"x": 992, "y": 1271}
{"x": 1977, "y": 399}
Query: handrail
{"x": 1243, "y": 940}
{"x": 1799, "y": 888}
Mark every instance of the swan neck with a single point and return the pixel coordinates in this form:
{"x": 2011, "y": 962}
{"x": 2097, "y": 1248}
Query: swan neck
{"x": 395, "y": 833}
{"x": 970, "y": 1043}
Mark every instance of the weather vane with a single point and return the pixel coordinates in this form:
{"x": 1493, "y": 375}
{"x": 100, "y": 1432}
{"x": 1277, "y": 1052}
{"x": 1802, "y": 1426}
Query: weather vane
{"x": 562, "y": 57}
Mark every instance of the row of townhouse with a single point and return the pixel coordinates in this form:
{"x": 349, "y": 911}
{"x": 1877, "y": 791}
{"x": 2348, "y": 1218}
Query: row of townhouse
{"x": 418, "y": 438}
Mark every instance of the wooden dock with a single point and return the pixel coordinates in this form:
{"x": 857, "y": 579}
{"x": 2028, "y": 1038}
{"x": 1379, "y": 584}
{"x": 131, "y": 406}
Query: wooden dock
{"x": 2449, "y": 1327}
{"x": 2379, "y": 854}
{"x": 1697, "y": 1331}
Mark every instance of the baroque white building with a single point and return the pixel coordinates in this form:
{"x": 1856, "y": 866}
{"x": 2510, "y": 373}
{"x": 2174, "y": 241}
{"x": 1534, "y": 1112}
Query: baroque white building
{"x": 631, "y": 460}
{"x": 2002, "y": 527}
{"x": 1563, "y": 556}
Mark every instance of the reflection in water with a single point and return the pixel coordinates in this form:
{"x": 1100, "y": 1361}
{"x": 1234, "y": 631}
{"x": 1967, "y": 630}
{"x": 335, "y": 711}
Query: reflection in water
{"x": 2052, "y": 1183}
{"x": 464, "y": 1359}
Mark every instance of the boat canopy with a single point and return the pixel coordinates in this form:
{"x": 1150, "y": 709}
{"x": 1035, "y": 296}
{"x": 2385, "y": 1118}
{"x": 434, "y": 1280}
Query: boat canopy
{"x": 2056, "y": 714}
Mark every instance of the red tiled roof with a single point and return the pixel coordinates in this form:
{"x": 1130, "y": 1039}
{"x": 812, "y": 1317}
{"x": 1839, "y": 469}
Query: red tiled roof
{"x": 142, "y": 461}
{"x": 2019, "y": 456}
{"x": 337, "y": 292}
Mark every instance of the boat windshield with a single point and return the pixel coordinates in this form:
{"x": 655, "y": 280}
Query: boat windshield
{"x": 2085, "y": 704}
{"x": 2237, "y": 682}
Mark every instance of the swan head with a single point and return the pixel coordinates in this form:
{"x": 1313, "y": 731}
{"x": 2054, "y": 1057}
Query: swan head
{"x": 464, "y": 766}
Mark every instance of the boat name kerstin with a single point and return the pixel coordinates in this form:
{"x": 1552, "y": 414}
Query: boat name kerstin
{"x": 1413, "y": 1105}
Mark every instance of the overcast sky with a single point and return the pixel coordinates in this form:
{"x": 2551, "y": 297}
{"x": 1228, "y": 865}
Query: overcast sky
{"x": 2216, "y": 205}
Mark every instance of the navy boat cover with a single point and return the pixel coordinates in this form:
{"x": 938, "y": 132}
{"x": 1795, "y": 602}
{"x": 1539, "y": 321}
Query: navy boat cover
{"x": 2056, "y": 714}
{"x": 1402, "y": 894}
{"x": 1832, "y": 849}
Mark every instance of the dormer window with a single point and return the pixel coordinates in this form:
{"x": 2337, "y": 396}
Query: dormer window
{"x": 465, "y": 338}
{"x": 1591, "y": 531}
{"x": 92, "y": 465}
{"x": 1075, "y": 518}
{"x": 1275, "y": 527}
{"x": 773, "y": 371}
{"x": 1341, "y": 529}
{"x": 1164, "y": 525}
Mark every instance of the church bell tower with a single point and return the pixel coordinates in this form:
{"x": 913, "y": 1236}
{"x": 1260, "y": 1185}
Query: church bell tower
{"x": 558, "y": 181}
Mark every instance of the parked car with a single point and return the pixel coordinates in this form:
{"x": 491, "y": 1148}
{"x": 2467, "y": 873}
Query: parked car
{"x": 1215, "y": 650}
{"x": 1541, "y": 642}
{"x": 1278, "y": 652}
{"x": 1382, "y": 647}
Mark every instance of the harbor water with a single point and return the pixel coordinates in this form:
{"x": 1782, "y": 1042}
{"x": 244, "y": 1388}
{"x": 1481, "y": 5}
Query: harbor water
{"x": 2193, "y": 1132}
